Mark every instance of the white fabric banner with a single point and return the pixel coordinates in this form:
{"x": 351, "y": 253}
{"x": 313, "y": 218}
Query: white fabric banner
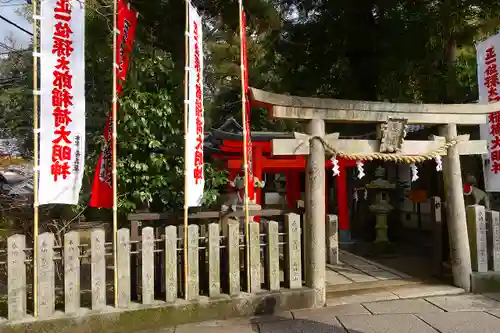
{"x": 62, "y": 101}
{"x": 488, "y": 63}
{"x": 195, "y": 181}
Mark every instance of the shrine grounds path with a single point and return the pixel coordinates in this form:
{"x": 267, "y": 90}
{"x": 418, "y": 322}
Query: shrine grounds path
{"x": 461, "y": 313}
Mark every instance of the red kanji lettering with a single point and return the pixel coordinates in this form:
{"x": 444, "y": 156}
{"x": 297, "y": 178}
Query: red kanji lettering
{"x": 494, "y": 117}
{"x": 62, "y": 64}
{"x": 198, "y": 158}
{"x": 495, "y": 129}
{"x": 199, "y": 125}
{"x": 63, "y": 6}
{"x": 62, "y": 80}
{"x": 495, "y": 167}
{"x": 199, "y": 142}
{"x": 61, "y": 117}
{"x": 62, "y": 30}
{"x": 63, "y": 135}
{"x": 60, "y": 170}
{"x": 492, "y": 97}
{"x": 61, "y": 98}
{"x": 491, "y": 81}
{"x": 490, "y": 54}
{"x": 61, "y": 153}
{"x": 62, "y": 47}
{"x": 62, "y": 17}
{"x": 491, "y": 70}
{"x": 198, "y": 174}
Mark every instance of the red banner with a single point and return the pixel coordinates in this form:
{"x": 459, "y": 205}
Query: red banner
{"x": 102, "y": 188}
{"x": 251, "y": 185}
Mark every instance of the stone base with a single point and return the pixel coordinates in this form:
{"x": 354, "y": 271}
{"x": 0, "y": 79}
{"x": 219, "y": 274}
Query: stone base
{"x": 162, "y": 315}
{"x": 345, "y": 240}
{"x": 488, "y": 282}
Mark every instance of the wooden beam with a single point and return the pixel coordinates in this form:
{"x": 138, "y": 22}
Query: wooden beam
{"x": 297, "y": 146}
{"x": 295, "y": 107}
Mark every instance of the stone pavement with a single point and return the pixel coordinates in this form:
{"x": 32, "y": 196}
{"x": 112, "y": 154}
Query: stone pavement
{"x": 464, "y": 313}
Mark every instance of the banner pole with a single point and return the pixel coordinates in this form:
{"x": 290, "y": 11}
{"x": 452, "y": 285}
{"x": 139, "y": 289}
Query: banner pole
{"x": 35, "y": 161}
{"x": 186, "y": 110}
{"x": 245, "y": 143}
{"x": 113, "y": 168}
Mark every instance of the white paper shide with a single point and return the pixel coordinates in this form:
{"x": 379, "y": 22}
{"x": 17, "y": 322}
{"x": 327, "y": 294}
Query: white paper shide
{"x": 195, "y": 180}
{"x": 488, "y": 62}
{"x": 62, "y": 101}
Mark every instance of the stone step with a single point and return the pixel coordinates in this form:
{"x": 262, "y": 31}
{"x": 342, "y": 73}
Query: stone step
{"x": 380, "y": 292}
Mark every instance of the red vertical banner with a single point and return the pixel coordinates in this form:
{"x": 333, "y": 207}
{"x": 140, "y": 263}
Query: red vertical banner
{"x": 102, "y": 188}
{"x": 248, "y": 152}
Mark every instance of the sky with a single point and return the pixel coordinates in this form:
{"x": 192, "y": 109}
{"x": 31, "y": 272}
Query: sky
{"x": 8, "y": 10}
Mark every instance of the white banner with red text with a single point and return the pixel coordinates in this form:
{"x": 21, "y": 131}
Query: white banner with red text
{"x": 488, "y": 62}
{"x": 195, "y": 179}
{"x": 62, "y": 101}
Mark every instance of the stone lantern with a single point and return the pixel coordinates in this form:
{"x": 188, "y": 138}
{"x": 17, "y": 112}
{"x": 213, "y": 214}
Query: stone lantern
{"x": 381, "y": 206}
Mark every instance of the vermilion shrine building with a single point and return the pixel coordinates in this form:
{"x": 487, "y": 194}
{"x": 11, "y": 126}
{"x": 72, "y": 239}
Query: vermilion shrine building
{"x": 227, "y": 146}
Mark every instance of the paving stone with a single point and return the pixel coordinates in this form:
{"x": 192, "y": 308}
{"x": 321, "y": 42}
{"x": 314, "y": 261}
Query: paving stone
{"x": 464, "y": 303}
{"x": 217, "y": 326}
{"x": 462, "y": 322}
{"x": 362, "y": 298}
{"x": 397, "y": 323}
{"x": 402, "y": 306}
{"x": 159, "y": 330}
{"x": 495, "y": 296}
{"x": 302, "y": 326}
{"x": 327, "y": 315}
{"x": 427, "y": 291}
{"x": 333, "y": 278}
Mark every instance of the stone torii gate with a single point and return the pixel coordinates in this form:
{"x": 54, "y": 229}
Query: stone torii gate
{"x": 316, "y": 111}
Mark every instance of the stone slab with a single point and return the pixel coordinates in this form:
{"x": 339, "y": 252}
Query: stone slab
{"x": 487, "y": 282}
{"x": 426, "y": 291}
{"x": 351, "y": 273}
{"x": 463, "y": 322}
{"x": 397, "y": 323}
{"x": 215, "y": 328}
{"x": 327, "y": 314}
{"x": 464, "y": 303}
{"x": 362, "y": 298}
{"x": 402, "y": 306}
{"x": 301, "y": 326}
{"x": 334, "y": 278}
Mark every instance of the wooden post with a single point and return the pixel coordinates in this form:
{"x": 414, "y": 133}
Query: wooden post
{"x": 315, "y": 212}
{"x": 456, "y": 217}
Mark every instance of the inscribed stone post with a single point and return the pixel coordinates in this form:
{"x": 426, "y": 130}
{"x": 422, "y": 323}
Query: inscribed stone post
{"x": 293, "y": 264}
{"x": 233, "y": 257}
{"x": 16, "y": 273}
{"x": 332, "y": 239}
{"x": 213, "y": 259}
{"x": 98, "y": 268}
{"x": 72, "y": 272}
{"x": 170, "y": 263}
{"x": 123, "y": 267}
{"x": 476, "y": 222}
{"x": 493, "y": 236}
{"x": 273, "y": 257}
{"x": 193, "y": 284}
{"x": 255, "y": 263}
{"x": 46, "y": 275}
{"x": 148, "y": 267}
{"x": 437, "y": 235}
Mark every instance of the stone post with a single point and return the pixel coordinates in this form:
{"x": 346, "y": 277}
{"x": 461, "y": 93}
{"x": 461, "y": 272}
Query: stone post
{"x": 456, "y": 217}
{"x": 493, "y": 237}
{"x": 476, "y": 223}
{"x": 315, "y": 214}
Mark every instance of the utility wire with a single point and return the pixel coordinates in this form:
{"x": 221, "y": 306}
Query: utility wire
{"x": 15, "y": 25}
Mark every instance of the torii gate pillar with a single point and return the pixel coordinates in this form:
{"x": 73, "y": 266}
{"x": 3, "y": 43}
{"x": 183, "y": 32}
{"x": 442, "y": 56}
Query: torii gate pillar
{"x": 314, "y": 224}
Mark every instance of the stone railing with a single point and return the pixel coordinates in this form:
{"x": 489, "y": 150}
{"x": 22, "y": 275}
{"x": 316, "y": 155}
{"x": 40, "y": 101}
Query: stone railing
{"x": 78, "y": 274}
